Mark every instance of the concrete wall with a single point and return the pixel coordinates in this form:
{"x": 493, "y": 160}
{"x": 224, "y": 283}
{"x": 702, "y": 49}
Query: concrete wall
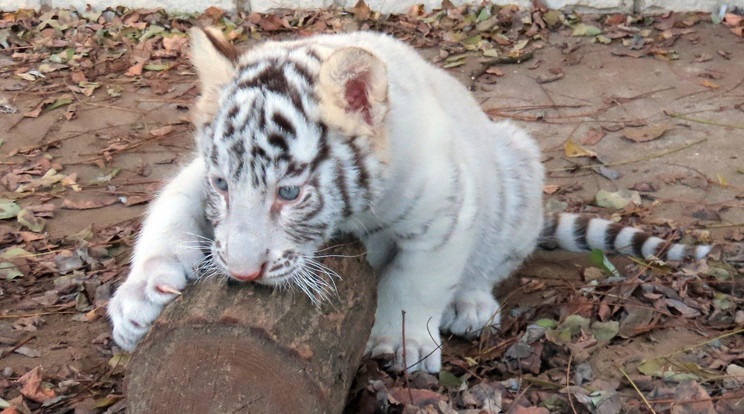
{"x": 385, "y": 6}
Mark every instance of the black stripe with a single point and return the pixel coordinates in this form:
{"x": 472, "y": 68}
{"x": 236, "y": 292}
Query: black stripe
{"x": 611, "y": 234}
{"x": 238, "y": 152}
{"x": 278, "y": 141}
{"x": 637, "y": 242}
{"x": 282, "y": 122}
{"x": 323, "y": 149}
{"x": 550, "y": 226}
{"x": 690, "y": 252}
{"x": 302, "y": 71}
{"x": 341, "y": 185}
{"x": 363, "y": 176}
{"x": 581, "y": 225}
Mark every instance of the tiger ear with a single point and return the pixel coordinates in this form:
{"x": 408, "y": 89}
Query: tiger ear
{"x": 215, "y": 59}
{"x": 353, "y": 91}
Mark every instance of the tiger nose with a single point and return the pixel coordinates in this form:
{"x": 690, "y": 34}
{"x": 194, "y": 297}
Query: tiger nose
{"x": 249, "y": 277}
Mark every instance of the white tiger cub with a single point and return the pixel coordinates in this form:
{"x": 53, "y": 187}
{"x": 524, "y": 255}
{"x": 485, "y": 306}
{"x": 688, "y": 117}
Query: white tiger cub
{"x": 354, "y": 133}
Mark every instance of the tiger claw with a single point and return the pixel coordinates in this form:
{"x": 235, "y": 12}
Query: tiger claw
{"x": 167, "y": 289}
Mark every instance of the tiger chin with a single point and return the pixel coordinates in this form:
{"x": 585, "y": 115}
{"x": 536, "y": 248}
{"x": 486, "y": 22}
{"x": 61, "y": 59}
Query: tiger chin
{"x": 301, "y": 140}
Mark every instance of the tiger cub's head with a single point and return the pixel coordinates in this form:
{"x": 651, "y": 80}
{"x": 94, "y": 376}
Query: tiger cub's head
{"x": 294, "y": 138}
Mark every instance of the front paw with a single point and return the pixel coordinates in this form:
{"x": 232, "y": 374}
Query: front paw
{"x": 139, "y": 300}
{"x": 422, "y": 349}
{"x": 470, "y": 312}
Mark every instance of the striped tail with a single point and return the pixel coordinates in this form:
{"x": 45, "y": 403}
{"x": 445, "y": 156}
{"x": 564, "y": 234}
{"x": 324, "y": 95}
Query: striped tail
{"x": 579, "y": 232}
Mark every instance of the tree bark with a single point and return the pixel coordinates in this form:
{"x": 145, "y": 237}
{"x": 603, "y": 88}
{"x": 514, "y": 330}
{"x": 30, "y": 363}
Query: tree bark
{"x": 245, "y": 348}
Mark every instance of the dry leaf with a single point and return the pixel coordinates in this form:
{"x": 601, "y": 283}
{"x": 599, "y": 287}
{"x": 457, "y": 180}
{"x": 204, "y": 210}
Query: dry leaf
{"x": 648, "y": 133}
{"x": 709, "y": 84}
{"x": 593, "y": 136}
{"x": 161, "y": 132}
{"x": 361, "y": 10}
{"x": 550, "y": 188}
{"x": 89, "y": 204}
{"x": 573, "y": 150}
{"x": 32, "y": 389}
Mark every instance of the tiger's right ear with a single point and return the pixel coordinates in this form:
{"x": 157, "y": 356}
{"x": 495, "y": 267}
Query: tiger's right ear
{"x": 215, "y": 59}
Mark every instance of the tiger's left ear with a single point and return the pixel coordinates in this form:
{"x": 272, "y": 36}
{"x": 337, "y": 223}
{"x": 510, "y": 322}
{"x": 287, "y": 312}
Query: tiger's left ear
{"x": 215, "y": 60}
{"x": 353, "y": 92}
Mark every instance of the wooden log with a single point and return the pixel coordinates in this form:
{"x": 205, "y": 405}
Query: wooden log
{"x": 245, "y": 348}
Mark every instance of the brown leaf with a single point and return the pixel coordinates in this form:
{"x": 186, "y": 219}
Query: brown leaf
{"x": 32, "y": 389}
{"x": 593, "y": 136}
{"x": 648, "y": 133}
{"x": 528, "y": 410}
{"x": 161, "y": 132}
{"x": 137, "y": 199}
{"x": 421, "y": 398}
{"x": 361, "y": 10}
{"x": 136, "y": 69}
{"x": 89, "y": 204}
{"x": 158, "y": 86}
{"x": 709, "y": 84}
{"x": 638, "y": 321}
{"x": 704, "y": 213}
{"x": 550, "y": 188}
{"x": 34, "y": 113}
{"x": 691, "y": 398}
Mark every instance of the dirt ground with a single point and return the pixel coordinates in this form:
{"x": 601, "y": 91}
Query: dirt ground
{"x": 587, "y": 104}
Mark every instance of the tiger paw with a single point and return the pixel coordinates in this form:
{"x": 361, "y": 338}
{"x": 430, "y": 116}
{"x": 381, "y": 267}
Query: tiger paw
{"x": 422, "y": 351}
{"x": 470, "y": 312}
{"x": 140, "y": 299}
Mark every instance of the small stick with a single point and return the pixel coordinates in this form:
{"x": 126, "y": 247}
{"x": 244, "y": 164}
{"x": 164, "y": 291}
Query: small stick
{"x": 568, "y": 378}
{"x": 650, "y": 157}
{"x": 20, "y": 344}
{"x": 703, "y": 121}
{"x": 636, "y": 388}
{"x": 405, "y": 363}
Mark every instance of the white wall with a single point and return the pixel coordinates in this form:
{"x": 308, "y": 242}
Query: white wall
{"x": 385, "y": 6}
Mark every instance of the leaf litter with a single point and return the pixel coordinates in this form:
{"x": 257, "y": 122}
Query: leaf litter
{"x": 65, "y": 62}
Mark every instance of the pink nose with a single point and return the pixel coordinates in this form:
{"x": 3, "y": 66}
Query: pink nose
{"x": 249, "y": 277}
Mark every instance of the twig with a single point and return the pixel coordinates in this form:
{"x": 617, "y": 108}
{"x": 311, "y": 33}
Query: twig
{"x": 30, "y": 315}
{"x": 568, "y": 378}
{"x": 646, "y": 158}
{"x": 636, "y": 388}
{"x": 20, "y": 344}
{"x": 703, "y": 121}
{"x": 405, "y": 363}
{"x": 720, "y": 226}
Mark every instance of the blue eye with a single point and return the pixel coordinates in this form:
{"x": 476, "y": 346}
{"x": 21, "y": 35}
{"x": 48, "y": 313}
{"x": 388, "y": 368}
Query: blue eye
{"x": 289, "y": 193}
{"x": 219, "y": 183}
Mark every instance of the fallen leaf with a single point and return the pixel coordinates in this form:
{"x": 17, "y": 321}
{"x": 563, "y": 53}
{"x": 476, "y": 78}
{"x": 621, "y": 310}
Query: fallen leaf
{"x": 593, "y": 136}
{"x": 691, "y": 398}
{"x": 550, "y": 188}
{"x": 161, "y": 132}
{"x": 604, "y": 331}
{"x": 518, "y": 409}
{"x": 27, "y": 351}
{"x": 704, "y": 213}
{"x": 617, "y": 200}
{"x": 709, "y": 84}
{"x": 8, "y": 209}
{"x": 89, "y": 204}
{"x": 573, "y": 150}
{"x": 33, "y": 223}
{"x": 449, "y": 379}
{"x": 648, "y": 133}
{"x": 581, "y": 29}
{"x": 420, "y": 397}
{"x": 32, "y": 388}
